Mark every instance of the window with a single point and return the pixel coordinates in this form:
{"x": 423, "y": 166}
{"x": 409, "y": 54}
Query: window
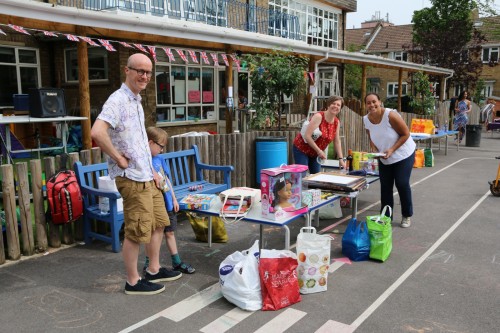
{"x": 392, "y": 89}
{"x": 401, "y": 55}
{"x": 20, "y": 68}
{"x": 488, "y": 88}
{"x": 490, "y": 54}
{"x": 98, "y": 64}
{"x": 316, "y": 25}
{"x": 184, "y": 92}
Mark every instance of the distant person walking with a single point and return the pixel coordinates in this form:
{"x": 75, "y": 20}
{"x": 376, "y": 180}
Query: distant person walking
{"x": 462, "y": 107}
{"x": 389, "y": 134}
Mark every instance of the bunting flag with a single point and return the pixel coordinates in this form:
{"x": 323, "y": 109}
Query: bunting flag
{"x": 215, "y": 58}
{"x": 2, "y": 33}
{"x": 140, "y": 48}
{"x": 89, "y": 41}
{"x": 107, "y": 45}
{"x": 205, "y": 58}
{"x": 169, "y": 53}
{"x": 49, "y": 33}
{"x": 224, "y": 57}
{"x": 182, "y": 55}
{"x": 72, "y": 38}
{"x": 237, "y": 61}
{"x": 19, "y": 29}
{"x": 152, "y": 51}
{"x": 126, "y": 45}
{"x": 311, "y": 75}
{"x": 192, "y": 54}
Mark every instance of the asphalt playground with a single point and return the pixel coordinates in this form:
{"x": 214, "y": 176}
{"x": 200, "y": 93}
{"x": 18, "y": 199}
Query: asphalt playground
{"x": 443, "y": 274}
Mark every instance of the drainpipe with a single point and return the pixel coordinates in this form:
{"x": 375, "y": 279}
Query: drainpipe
{"x": 316, "y": 80}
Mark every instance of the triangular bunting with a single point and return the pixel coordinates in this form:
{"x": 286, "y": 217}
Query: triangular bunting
{"x": 236, "y": 61}
{"x": 89, "y": 41}
{"x": 125, "y": 44}
{"x": 192, "y": 54}
{"x": 140, "y": 48}
{"x": 49, "y": 33}
{"x": 2, "y": 33}
{"x": 152, "y": 51}
{"x": 107, "y": 45}
{"x": 224, "y": 57}
{"x": 72, "y": 38}
{"x": 169, "y": 54}
{"x": 205, "y": 58}
{"x": 182, "y": 55}
{"x": 215, "y": 58}
{"x": 19, "y": 29}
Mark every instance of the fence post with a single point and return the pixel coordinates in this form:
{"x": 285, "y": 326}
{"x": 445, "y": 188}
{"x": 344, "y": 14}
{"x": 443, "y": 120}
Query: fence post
{"x": 9, "y": 206}
{"x": 28, "y": 247}
{"x": 50, "y": 170}
{"x": 38, "y": 205}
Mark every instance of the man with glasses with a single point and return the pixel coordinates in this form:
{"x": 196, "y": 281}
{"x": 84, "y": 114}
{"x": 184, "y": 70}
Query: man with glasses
{"x": 120, "y": 132}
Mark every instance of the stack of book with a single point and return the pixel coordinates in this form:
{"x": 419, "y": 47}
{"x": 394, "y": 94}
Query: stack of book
{"x": 237, "y": 206}
{"x": 335, "y": 182}
{"x": 197, "y": 201}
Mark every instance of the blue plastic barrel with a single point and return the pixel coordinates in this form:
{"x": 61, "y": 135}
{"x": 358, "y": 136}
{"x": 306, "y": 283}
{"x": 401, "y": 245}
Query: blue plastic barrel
{"x": 270, "y": 152}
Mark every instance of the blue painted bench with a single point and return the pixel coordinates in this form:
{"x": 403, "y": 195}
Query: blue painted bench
{"x": 88, "y": 176}
{"x": 179, "y": 165}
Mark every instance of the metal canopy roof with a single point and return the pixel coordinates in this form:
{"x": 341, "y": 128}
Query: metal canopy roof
{"x": 160, "y": 30}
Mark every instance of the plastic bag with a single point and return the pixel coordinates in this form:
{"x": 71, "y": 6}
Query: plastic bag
{"x": 313, "y": 254}
{"x": 330, "y": 211}
{"x": 239, "y": 279}
{"x": 428, "y": 157}
{"x": 419, "y": 159}
{"x": 356, "y": 241}
{"x": 199, "y": 223}
{"x": 380, "y": 230}
{"x": 278, "y": 276}
{"x": 315, "y": 135}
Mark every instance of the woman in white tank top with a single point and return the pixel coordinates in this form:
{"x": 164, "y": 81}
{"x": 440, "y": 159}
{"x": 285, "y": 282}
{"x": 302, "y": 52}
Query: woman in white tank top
{"x": 389, "y": 134}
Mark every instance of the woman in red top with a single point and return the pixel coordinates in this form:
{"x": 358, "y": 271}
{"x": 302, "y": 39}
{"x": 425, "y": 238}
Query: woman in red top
{"x": 306, "y": 151}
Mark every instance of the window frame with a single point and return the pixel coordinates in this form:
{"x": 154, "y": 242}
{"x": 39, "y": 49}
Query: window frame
{"x": 105, "y": 69}
{"x": 394, "y": 89}
{"x": 489, "y": 50}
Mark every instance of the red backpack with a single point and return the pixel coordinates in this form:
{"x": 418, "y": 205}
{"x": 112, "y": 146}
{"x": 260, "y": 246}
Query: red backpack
{"x": 65, "y": 198}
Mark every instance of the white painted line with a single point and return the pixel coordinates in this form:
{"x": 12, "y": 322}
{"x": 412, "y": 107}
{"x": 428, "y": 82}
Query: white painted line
{"x": 227, "y": 321}
{"x": 415, "y": 265}
{"x": 139, "y": 324}
{"x": 282, "y": 322}
{"x": 334, "y": 266}
{"x": 190, "y": 305}
{"x": 334, "y": 326}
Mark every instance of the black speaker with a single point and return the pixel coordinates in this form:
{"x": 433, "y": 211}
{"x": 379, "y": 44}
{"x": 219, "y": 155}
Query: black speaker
{"x": 47, "y": 103}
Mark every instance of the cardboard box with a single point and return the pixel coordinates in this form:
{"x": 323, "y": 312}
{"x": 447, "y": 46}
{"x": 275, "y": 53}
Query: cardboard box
{"x": 281, "y": 191}
{"x": 197, "y": 201}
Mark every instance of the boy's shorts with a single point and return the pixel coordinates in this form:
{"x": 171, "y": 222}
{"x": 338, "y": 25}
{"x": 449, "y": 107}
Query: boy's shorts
{"x": 143, "y": 209}
{"x": 172, "y": 216}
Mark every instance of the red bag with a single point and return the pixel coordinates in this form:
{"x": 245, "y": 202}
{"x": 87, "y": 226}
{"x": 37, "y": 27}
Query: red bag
{"x": 278, "y": 282}
{"x": 65, "y": 198}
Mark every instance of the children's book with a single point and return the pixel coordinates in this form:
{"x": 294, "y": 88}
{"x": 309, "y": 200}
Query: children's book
{"x": 197, "y": 201}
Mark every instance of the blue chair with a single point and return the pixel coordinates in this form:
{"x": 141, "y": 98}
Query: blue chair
{"x": 87, "y": 176}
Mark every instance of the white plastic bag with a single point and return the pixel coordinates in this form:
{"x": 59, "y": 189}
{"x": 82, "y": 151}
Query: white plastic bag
{"x": 330, "y": 211}
{"x": 108, "y": 184}
{"x": 239, "y": 279}
{"x": 313, "y": 256}
{"x": 315, "y": 135}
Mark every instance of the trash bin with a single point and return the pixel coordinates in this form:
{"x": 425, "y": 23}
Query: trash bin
{"x": 472, "y": 135}
{"x": 270, "y": 152}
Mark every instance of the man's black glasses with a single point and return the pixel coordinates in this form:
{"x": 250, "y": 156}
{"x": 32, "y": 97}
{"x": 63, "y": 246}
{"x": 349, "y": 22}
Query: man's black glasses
{"x": 141, "y": 72}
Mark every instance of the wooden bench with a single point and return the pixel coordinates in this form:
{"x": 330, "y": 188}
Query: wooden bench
{"x": 185, "y": 169}
{"x": 88, "y": 176}
{"x": 186, "y": 173}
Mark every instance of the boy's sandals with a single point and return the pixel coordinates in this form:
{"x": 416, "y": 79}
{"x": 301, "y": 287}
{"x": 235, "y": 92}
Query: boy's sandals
{"x": 184, "y": 268}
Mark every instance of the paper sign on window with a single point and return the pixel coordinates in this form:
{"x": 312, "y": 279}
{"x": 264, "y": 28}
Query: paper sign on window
{"x": 208, "y": 97}
{"x": 194, "y": 96}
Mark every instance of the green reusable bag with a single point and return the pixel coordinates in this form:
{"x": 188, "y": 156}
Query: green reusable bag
{"x": 380, "y": 231}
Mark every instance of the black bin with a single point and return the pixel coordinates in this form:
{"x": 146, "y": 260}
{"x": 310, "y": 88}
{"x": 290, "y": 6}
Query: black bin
{"x": 473, "y": 135}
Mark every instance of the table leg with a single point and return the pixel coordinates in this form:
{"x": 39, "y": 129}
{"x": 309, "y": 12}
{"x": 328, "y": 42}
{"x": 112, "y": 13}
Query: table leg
{"x": 354, "y": 209}
{"x": 209, "y": 231}
{"x": 287, "y": 237}
{"x": 64, "y": 129}
{"x": 446, "y": 145}
{"x": 261, "y": 235}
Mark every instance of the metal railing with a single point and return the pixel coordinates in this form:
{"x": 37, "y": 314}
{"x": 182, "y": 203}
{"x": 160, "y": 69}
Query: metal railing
{"x": 223, "y": 13}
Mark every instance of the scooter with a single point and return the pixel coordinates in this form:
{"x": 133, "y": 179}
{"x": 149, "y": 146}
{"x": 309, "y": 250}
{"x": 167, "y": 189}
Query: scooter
{"x": 495, "y": 184}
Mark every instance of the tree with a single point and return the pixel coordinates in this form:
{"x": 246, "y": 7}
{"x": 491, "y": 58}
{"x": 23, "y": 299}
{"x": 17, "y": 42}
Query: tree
{"x": 353, "y": 75}
{"x": 273, "y": 76}
{"x": 444, "y": 36}
{"x": 423, "y": 102}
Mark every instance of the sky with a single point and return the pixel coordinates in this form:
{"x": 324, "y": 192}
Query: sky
{"x": 400, "y": 11}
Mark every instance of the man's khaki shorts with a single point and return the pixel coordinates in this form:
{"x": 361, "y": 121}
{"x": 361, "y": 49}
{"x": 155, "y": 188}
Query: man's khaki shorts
{"x": 143, "y": 209}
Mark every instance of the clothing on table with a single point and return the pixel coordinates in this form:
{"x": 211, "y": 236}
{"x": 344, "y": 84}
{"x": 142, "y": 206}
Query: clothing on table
{"x": 124, "y": 113}
{"x": 384, "y": 137}
{"x": 461, "y": 119}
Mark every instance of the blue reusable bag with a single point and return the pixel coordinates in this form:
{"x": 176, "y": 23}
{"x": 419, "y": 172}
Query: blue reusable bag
{"x": 356, "y": 241}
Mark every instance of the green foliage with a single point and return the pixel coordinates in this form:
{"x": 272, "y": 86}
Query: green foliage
{"x": 479, "y": 96}
{"x": 353, "y": 75}
{"x": 273, "y": 76}
{"x": 423, "y": 101}
{"x": 444, "y": 36}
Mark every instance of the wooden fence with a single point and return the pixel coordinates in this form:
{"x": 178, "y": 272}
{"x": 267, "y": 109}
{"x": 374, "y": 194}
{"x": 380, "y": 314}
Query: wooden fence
{"x": 238, "y": 150}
